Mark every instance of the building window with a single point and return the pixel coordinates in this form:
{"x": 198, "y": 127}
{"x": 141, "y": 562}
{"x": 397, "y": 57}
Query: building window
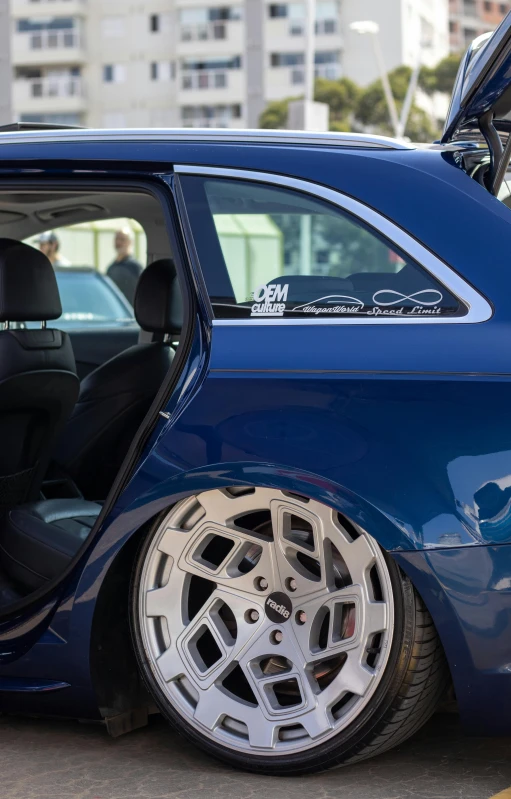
{"x": 201, "y": 24}
{"x": 45, "y": 24}
{"x": 154, "y": 23}
{"x": 224, "y": 13}
{"x": 114, "y": 73}
{"x": 452, "y": 27}
{"x": 503, "y": 8}
{"x": 278, "y": 10}
{"x": 212, "y": 63}
{"x": 327, "y": 12}
{"x": 287, "y": 59}
{"x": 161, "y": 70}
{"x": 488, "y": 5}
{"x": 470, "y": 7}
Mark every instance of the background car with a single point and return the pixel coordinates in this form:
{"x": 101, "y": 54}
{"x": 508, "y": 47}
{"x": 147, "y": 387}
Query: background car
{"x": 90, "y": 299}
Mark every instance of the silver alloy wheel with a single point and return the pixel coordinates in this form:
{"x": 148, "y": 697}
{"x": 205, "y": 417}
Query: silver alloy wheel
{"x": 266, "y": 618}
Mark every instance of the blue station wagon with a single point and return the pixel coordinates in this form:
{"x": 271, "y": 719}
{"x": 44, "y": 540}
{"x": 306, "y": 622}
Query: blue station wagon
{"x": 279, "y": 509}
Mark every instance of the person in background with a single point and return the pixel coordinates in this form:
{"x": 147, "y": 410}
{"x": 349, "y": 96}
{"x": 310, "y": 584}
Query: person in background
{"x": 49, "y": 244}
{"x": 125, "y": 270}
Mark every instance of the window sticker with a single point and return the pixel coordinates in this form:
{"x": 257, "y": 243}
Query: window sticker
{"x": 272, "y": 300}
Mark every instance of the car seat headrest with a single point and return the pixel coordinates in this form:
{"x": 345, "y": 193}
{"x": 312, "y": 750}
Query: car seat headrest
{"x": 158, "y": 303}
{"x": 28, "y": 287}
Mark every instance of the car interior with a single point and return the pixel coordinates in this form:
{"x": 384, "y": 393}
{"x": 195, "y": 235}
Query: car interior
{"x": 71, "y": 401}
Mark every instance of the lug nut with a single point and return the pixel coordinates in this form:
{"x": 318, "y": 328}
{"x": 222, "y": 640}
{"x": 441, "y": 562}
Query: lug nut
{"x": 291, "y": 584}
{"x": 276, "y": 636}
{"x": 261, "y": 584}
{"x": 254, "y": 615}
{"x": 301, "y": 617}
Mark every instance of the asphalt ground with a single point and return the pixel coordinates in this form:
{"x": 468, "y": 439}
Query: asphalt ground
{"x": 42, "y": 759}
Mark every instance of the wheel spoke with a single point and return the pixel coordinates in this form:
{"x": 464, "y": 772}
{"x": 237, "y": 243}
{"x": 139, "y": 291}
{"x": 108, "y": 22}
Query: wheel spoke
{"x": 299, "y": 547}
{"x": 355, "y": 677}
{"x": 242, "y": 557}
{"x": 320, "y": 634}
{"x": 170, "y": 663}
{"x": 360, "y": 557}
{"x": 317, "y": 722}
{"x": 209, "y": 711}
{"x": 376, "y": 617}
{"x": 221, "y": 507}
{"x": 262, "y": 733}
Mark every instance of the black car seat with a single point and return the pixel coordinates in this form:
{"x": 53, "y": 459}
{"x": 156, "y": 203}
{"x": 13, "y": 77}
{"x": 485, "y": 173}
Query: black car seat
{"x": 38, "y": 381}
{"x": 115, "y": 397}
{"x": 38, "y": 540}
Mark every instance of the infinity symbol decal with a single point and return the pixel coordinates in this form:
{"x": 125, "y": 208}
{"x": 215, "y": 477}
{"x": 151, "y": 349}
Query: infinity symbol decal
{"x": 413, "y": 297}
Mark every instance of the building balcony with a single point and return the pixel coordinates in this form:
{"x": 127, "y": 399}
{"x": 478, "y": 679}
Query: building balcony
{"x": 216, "y": 35}
{"x": 281, "y": 29}
{"x": 211, "y": 86}
{"x": 289, "y": 81}
{"x": 213, "y": 116}
{"x": 48, "y": 95}
{"x": 48, "y": 47}
{"x": 204, "y": 33}
{"x": 205, "y": 79}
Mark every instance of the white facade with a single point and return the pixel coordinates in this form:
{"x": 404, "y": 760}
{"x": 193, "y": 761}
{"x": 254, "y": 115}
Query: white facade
{"x": 108, "y": 63}
{"x": 5, "y": 65}
{"x": 409, "y": 29}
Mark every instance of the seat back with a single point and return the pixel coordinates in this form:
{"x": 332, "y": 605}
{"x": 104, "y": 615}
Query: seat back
{"x": 115, "y": 398}
{"x": 38, "y": 382}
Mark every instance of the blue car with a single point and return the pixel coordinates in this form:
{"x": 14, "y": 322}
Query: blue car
{"x": 280, "y": 510}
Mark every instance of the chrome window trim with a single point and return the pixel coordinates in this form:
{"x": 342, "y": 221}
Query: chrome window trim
{"x": 207, "y": 135}
{"x": 478, "y": 308}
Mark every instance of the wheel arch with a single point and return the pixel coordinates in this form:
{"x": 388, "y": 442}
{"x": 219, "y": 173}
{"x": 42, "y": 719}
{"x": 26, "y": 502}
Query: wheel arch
{"x": 114, "y": 671}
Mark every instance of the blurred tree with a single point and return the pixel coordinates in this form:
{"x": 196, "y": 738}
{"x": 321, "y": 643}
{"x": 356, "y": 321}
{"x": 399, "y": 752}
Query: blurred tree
{"x": 341, "y": 95}
{"x": 372, "y": 111}
{"x": 441, "y": 77}
{"x": 352, "y": 107}
{"x": 274, "y": 115}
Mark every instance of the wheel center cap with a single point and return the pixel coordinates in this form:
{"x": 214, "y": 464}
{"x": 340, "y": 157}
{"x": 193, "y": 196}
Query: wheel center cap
{"x": 278, "y": 607}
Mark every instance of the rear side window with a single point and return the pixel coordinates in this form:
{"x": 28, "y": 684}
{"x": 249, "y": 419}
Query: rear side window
{"x": 266, "y": 251}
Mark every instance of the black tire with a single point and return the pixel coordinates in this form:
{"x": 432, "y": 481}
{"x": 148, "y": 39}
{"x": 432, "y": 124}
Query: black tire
{"x": 416, "y": 678}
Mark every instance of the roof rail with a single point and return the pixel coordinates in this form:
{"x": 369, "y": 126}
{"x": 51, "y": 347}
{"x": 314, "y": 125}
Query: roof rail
{"x": 208, "y": 135}
{"x": 18, "y": 126}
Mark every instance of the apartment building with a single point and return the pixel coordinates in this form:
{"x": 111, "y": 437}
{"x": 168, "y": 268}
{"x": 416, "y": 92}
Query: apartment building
{"x": 470, "y": 18}
{"x": 410, "y": 30}
{"x": 197, "y": 63}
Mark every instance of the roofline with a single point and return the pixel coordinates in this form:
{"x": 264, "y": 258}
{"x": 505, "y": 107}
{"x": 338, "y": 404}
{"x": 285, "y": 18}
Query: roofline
{"x": 207, "y": 135}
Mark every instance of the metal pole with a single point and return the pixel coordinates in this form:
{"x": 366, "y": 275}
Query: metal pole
{"x": 410, "y": 94}
{"x": 310, "y": 32}
{"x": 389, "y": 97}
